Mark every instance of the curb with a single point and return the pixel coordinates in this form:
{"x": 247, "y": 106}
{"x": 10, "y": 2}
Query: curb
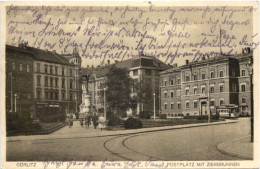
{"x": 233, "y": 154}
{"x": 140, "y": 132}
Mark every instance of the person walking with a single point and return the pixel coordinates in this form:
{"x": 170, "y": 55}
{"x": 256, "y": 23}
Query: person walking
{"x": 71, "y": 121}
{"x": 101, "y": 121}
{"x": 95, "y": 120}
{"x": 88, "y": 120}
{"x": 81, "y": 122}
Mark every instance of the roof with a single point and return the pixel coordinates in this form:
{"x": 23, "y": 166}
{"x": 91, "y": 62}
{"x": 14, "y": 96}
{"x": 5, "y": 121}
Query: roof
{"x": 39, "y": 54}
{"x": 140, "y": 62}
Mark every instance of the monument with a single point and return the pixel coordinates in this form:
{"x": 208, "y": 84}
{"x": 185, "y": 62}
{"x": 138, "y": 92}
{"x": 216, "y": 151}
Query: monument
{"x": 86, "y": 97}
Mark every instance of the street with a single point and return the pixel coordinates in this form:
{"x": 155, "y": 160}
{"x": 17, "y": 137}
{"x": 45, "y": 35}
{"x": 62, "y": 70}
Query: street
{"x": 196, "y": 143}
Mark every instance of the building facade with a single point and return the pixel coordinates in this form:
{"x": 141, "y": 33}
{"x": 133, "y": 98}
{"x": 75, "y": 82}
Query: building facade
{"x": 19, "y": 80}
{"x": 53, "y": 82}
{"x": 197, "y": 88}
{"x": 144, "y": 70}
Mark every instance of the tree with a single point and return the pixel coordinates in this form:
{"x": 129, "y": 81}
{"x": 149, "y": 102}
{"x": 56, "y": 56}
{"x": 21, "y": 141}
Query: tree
{"x": 118, "y": 93}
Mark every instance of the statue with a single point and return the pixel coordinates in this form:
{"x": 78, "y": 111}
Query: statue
{"x": 86, "y": 77}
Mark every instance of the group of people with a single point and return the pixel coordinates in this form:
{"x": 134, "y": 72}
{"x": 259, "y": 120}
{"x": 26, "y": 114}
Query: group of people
{"x": 97, "y": 121}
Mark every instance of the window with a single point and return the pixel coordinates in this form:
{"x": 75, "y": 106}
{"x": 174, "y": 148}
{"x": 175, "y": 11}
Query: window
{"x": 203, "y": 76}
{"x": 38, "y": 94}
{"x": 38, "y": 80}
{"x": 56, "y": 70}
{"x": 165, "y": 94}
{"x": 212, "y": 75}
{"x": 56, "y": 96}
{"x": 46, "y": 81}
{"x": 171, "y": 94}
{"x": 21, "y": 67}
{"x": 135, "y": 72}
{"x": 243, "y": 88}
{"x": 63, "y": 83}
{"x": 187, "y": 91}
{"x": 195, "y": 77}
{"x": 195, "y": 104}
{"x": 221, "y": 88}
{"x": 172, "y": 106}
{"x": 187, "y": 105}
{"x": 234, "y": 87}
{"x": 70, "y": 84}
{"x": 13, "y": 66}
{"x": 179, "y": 106}
{"x": 243, "y": 100}
{"x": 46, "y": 68}
{"x": 28, "y": 68}
{"x": 243, "y": 73}
{"x": 148, "y": 72}
{"x": 165, "y": 83}
{"x": 187, "y": 78}
{"x": 171, "y": 82}
{"x": 51, "y": 69}
{"x": 51, "y": 95}
{"x": 46, "y": 94}
{"x": 63, "y": 95}
{"x": 56, "y": 82}
{"x": 195, "y": 91}
{"x": 221, "y": 74}
{"x": 203, "y": 90}
{"x": 178, "y": 81}
{"x": 38, "y": 67}
{"x": 70, "y": 72}
{"x": 165, "y": 106}
{"x": 211, "y": 89}
{"x": 221, "y": 102}
{"x": 212, "y": 103}
{"x": 62, "y": 72}
{"x": 51, "y": 82}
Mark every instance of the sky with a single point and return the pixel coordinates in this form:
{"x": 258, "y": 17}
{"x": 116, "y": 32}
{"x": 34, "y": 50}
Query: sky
{"x": 171, "y": 33}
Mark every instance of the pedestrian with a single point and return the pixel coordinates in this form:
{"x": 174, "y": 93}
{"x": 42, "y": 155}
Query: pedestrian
{"x": 88, "y": 120}
{"x": 101, "y": 121}
{"x": 71, "y": 122}
{"x": 81, "y": 122}
{"x": 95, "y": 120}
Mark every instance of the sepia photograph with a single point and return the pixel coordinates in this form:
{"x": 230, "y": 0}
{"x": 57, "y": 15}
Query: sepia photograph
{"x": 129, "y": 84}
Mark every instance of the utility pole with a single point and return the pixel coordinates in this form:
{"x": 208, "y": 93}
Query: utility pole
{"x": 105, "y": 111}
{"x": 154, "y": 106}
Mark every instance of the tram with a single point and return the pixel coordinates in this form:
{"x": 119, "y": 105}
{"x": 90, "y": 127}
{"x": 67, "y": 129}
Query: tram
{"x": 228, "y": 111}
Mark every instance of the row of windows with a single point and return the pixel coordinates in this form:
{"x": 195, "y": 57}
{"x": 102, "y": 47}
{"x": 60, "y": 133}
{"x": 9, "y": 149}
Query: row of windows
{"x": 21, "y": 67}
{"x": 146, "y": 71}
{"x": 195, "y": 104}
{"x": 53, "y": 95}
{"x": 54, "y": 70}
{"x": 54, "y": 82}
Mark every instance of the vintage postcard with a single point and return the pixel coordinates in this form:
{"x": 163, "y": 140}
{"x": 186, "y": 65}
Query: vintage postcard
{"x": 129, "y": 84}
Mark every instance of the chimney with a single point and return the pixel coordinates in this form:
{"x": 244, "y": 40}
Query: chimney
{"x": 87, "y": 66}
{"x": 187, "y": 62}
{"x": 248, "y": 50}
{"x": 116, "y": 61}
{"x": 175, "y": 65}
{"x": 243, "y": 51}
{"x": 92, "y": 66}
{"x": 108, "y": 62}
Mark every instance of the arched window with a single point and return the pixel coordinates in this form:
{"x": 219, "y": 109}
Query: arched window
{"x": 243, "y": 100}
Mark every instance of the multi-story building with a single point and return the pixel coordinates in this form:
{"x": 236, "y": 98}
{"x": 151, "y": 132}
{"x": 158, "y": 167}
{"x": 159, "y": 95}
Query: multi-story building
{"x": 53, "y": 82}
{"x": 19, "y": 80}
{"x": 144, "y": 70}
{"x": 197, "y": 88}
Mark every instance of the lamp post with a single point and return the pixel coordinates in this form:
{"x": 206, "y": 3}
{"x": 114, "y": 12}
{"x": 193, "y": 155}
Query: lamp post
{"x": 105, "y": 111}
{"x": 154, "y": 106}
{"x": 15, "y": 96}
{"x": 10, "y": 74}
{"x": 250, "y": 71}
{"x": 76, "y": 100}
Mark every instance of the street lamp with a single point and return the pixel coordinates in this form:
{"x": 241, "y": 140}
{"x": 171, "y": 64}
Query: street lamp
{"x": 105, "y": 111}
{"x": 10, "y": 74}
{"x": 76, "y": 100}
{"x": 249, "y": 67}
{"x": 15, "y": 97}
{"x": 154, "y": 106}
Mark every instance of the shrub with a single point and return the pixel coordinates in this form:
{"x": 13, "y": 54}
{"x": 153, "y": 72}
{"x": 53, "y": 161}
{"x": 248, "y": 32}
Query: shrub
{"x": 114, "y": 121}
{"x": 145, "y": 114}
{"x": 203, "y": 117}
{"x": 162, "y": 116}
{"x": 215, "y": 116}
{"x": 132, "y": 123}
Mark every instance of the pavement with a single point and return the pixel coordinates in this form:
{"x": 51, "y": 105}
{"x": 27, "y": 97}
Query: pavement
{"x": 83, "y": 132}
{"x": 241, "y": 147}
